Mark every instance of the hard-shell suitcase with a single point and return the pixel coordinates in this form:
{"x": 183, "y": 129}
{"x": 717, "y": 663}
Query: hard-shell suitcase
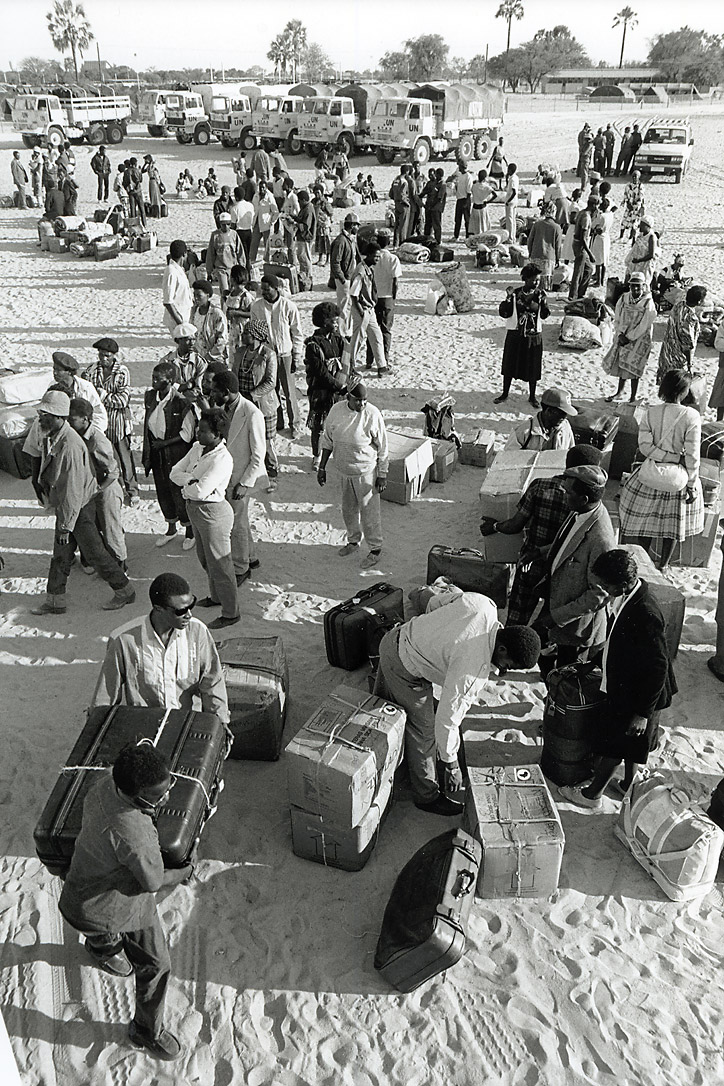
{"x": 284, "y": 271}
{"x": 345, "y": 626}
{"x": 257, "y": 681}
{"x": 440, "y": 255}
{"x": 107, "y": 248}
{"x": 571, "y": 715}
{"x": 195, "y": 746}
{"x": 12, "y": 458}
{"x": 163, "y": 210}
{"x": 712, "y": 441}
{"x": 716, "y": 807}
{"x": 469, "y": 570}
{"x": 594, "y": 427}
{"x": 425, "y": 924}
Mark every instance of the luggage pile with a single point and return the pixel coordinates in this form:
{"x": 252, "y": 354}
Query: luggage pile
{"x": 346, "y": 626}
{"x": 103, "y": 238}
{"x": 20, "y": 394}
{"x": 587, "y": 324}
{"x": 257, "y": 687}
{"x": 340, "y": 772}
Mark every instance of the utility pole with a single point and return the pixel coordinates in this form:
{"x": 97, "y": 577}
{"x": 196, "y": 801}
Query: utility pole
{"x": 98, "y": 53}
{"x": 485, "y": 69}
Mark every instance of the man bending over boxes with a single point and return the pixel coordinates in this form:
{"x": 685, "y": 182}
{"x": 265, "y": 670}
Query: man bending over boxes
{"x": 453, "y": 645}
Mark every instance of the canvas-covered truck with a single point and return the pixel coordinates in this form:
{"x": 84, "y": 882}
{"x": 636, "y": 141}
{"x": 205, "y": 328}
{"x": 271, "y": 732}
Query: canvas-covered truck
{"x": 151, "y": 111}
{"x": 276, "y": 116}
{"x": 666, "y": 148}
{"x": 65, "y": 113}
{"x": 191, "y": 120}
{"x": 343, "y": 120}
{"x": 435, "y": 120}
{"x": 232, "y": 119}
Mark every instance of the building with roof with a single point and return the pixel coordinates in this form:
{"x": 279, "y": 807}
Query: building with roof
{"x": 582, "y": 80}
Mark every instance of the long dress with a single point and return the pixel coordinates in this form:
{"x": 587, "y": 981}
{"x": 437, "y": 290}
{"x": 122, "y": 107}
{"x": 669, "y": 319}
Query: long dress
{"x": 640, "y": 249}
{"x": 154, "y": 186}
{"x": 634, "y": 206}
{"x": 479, "y": 216}
{"x": 635, "y": 320}
{"x": 601, "y": 224}
{"x": 680, "y": 338}
{"x": 523, "y": 348}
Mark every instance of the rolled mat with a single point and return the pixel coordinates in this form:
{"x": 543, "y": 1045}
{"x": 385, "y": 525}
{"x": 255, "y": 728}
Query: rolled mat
{"x": 455, "y": 280}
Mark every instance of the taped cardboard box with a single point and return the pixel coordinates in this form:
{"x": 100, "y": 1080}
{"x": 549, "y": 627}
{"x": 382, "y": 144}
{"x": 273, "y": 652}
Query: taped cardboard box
{"x": 510, "y": 811}
{"x": 445, "y": 461}
{"x": 409, "y": 472}
{"x": 477, "y": 448}
{"x": 57, "y": 245}
{"x": 548, "y": 463}
{"x": 316, "y": 838}
{"x": 505, "y": 482}
{"x": 337, "y": 761}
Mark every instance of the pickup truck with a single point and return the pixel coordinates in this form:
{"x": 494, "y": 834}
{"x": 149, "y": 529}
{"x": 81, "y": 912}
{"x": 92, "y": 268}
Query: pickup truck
{"x": 666, "y": 149}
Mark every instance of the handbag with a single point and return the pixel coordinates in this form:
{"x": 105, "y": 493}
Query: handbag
{"x": 668, "y": 478}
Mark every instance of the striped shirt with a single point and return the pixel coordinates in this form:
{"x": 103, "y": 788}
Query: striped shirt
{"x": 114, "y": 391}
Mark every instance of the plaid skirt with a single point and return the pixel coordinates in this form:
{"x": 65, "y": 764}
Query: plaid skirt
{"x": 652, "y": 514}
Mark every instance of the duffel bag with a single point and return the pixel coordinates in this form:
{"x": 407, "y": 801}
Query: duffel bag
{"x": 579, "y": 334}
{"x": 411, "y": 253}
{"x": 671, "y": 837}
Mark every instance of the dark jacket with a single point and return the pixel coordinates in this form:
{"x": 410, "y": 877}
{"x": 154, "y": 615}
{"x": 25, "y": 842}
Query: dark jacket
{"x": 343, "y": 258}
{"x": 639, "y": 677}
{"x": 325, "y": 380}
{"x": 175, "y": 412}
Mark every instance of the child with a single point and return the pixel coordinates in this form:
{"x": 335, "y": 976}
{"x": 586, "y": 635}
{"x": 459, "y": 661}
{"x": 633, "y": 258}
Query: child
{"x": 371, "y": 189}
{"x": 324, "y": 225}
{"x": 238, "y": 307}
{"x": 210, "y": 183}
{"x": 120, "y": 194}
{"x": 201, "y": 192}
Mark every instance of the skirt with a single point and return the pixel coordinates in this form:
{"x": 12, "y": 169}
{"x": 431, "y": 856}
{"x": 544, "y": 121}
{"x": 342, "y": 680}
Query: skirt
{"x": 522, "y": 357}
{"x": 614, "y": 743}
{"x": 652, "y": 514}
{"x": 717, "y": 393}
{"x": 479, "y": 220}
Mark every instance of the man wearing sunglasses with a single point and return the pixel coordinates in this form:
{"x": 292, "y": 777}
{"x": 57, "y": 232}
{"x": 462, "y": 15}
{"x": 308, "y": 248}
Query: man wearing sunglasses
{"x": 164, "y": 659}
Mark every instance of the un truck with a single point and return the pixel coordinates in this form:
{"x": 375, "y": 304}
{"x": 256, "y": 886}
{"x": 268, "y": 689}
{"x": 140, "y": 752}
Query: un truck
{"x": 276, "y": 116}
{"x": 666, "y": 148}
{"x": 49, "y": 118}
{"x": 343, "y": 120}
{"x": 189, "y": 117}
{"x": 435, "y": 120}
{"x": 151, "y": 111}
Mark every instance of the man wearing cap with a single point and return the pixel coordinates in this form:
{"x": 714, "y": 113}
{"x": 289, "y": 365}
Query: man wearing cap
{"x": 343, "y": 259}
{"x": 223, "y": 252}
{"x": 65, "y": 373}
{"x": 101, "y": 166}
{"x": 222, "y": 204}
{"x": 266, "y": 214}
{"x": 584, "y": 260}
{"x": 541, "y": 512}
{"x": 188, "y": 363}
{"x": 212, "y": 331}
{"x": 112, "y": 381}
{"x": 585, "y": 154}
{"x": 110, "y": 496}
{"x": 177, "y": 296}
{"x": 354, "y": 431}
{"x": 365, "y": 329}
{"x": 281, "y": 316}
{"x": 549, "y": 428}
{"x": 67, "y": 484}
{"x": 573, "y": 619}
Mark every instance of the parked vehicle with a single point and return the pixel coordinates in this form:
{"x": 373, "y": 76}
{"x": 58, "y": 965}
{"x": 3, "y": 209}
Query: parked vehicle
{"x": 434, "y": 120}
{"x": 152, "y": 111}
{"x": 343, "y": 120}
{"x": 276, "y": 116}
{"x": 191, "y": 118}
{"x": 71, "y": 113}
{"x": 186, "y": 117}
{"x": 231, "y": 120}
{"x": 666, "y": 148}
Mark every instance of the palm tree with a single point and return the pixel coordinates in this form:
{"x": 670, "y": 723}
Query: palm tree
{"x": 69, "y": 29}
{"x": 278, "y": 54}
{"x": 509, "y": 10}
{"x": 296, "y": 36}
{"x": 626, "y": 17}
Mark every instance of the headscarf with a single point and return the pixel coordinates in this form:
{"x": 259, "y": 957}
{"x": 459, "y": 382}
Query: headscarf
{"x": 258, "y": 330}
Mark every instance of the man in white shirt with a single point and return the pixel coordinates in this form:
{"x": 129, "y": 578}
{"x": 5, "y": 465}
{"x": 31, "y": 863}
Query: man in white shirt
{"x": 355, "y": 432}
{"x": 203, "y": 475}
{"x": 177, "y": 296}
{"x": 242, "y": 219}
{"x": 163, "y": 659}
{"x": 266, "y": 213}
{"x": 452, "y": 646}
{"x": 549, "y": 428}
{"x": 462, "y": 181}
{"x": 281, "y": 316}
{"x": 387, "y": 273}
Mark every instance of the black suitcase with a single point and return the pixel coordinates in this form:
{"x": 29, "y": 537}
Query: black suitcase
{"x": 712, "y": 441}
{"x": 164, "y": 210}
{"x": 571, "y": 716}
{"x": 470, "y": 571}
{"x": 592, "y": 426}
{"x": 12, "y": 458}
{"x": 195, "y": 745}
{"x": 441, "y": 256}
{"x": 345, "y": 626}
{"x": 377, "y": 627}
{"x": 425, "y": 924}
{"x": 284, "y": 271}
{"x": 257, "y": 683}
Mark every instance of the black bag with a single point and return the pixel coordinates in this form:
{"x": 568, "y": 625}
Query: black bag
{"x": 571, "y": 717}
{"x": 194, "y": 745}
{"x": 12, "y": 458}
{"x": 345, "y": 626}
{"x": 164, "y": 210}
{"x": 257, "y": 681}
{"x": 712, "y": 441}
{"x": 592, "y": 426}
{"x": 377, "y": 627}
{"x": 716, "y": 807}
{"x": 470, "y": 571}
{"x": 441, "y": 256}
{"x": 425, "y": 924}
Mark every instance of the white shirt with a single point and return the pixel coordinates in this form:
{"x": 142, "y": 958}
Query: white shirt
{"x": 357, "y": 439}
{"x": 204, "y": 476}
{"x": 242, "y": 214}
{"x": 157, "y": 421}
{"x": 452, "y": 646}
{"x": 266, "y": 211}
{"x": 176, "y": 292}
{"x": 463, "y": 183}
{"x": 385, "y": 271}
{"x": 615, "y": 607}
{"x": 511, "y": 189}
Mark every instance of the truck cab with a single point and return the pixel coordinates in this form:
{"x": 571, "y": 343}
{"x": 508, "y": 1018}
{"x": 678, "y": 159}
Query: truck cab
{"x": 230, "y": 119}
{"x": 666, "y": 149}
{"x": 397, "y": 124}
{"x": 53, "y": 117}
{"x": 36, "y": 115}
{"x": 276, "y": 121}
{"x": 328, "y": 120}
{"x": 152, "y": 111}
{"x": 186, "y": 117}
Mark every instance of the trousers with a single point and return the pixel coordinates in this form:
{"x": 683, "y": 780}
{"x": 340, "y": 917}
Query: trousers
{"x": 103, "y": 186}
{"x": 344, "y": 305}
{"x": 137, "y": 205}
{"x": 243, "y": 549}
{"x": 462, "y": 212}
{"x": 212, "y": 523}
{"x": 581, "y": 272}
{"x": 125, "y": 461}
{"x": 385, "y": 313}
{"x": 85, "y": 535}
{"x": 170, "y": 498}
{"x": 361, "y": 511}
{"x": 287, "y": 389}
{"x": 395, "y": 683}
{"x": 402, "y": 224}
{"x": 510, "y": 224}
{"x": 110, "y": 520}
{"x": 365, "y": 329}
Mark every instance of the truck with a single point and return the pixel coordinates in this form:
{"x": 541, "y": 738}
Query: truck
{"x": 151, "y": 111}
{"x": 666, "y": 149}
{"x": 276, "y": 116}
{"x": 49, "y": 118}
{"x": 343, "y": 120}
{"x": 190, "y": 118}
{"x": 436, "y": 119}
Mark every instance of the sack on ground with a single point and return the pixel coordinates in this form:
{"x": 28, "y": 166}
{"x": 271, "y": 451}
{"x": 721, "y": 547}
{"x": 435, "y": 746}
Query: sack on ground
{"x": 455, "y": 280}
{"x": 579, "y": 334}
{"x": 435, "y": 291}
{"x": 410, "y": 253}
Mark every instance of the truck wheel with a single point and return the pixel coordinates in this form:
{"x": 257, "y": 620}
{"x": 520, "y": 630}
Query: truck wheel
{"x": 421, "y": 153}
{"x": 156, "y": 130}
{"x": 227, "y": 141}
{"x": 293, "y": 143}
{"x": 677, "y": 177}
{"x": 481, "y": 147}
{"x": 466, "y": 148}
{"x": 385, "y": 156}
{"x": 346, "y": 144}
{"x": 96, "y": 135}
{"x": 56, "y": 136}
{"x": 247, "y": 140}
{"x": 310, "y": 149}
{"x": 114, "y": 133}
{"x": 183, "y": 137}
{"x": 202, "y": 135}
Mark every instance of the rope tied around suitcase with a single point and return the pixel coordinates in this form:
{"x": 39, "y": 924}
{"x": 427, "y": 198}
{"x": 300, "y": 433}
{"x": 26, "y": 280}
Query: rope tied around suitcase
{"x": 173, "y": 773}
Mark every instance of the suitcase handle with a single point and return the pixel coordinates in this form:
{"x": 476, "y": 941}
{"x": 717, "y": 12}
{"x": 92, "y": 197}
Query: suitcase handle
{"x": 352, "y": 604}
{"x": 464, "y": 884}
{"x": 469, "y": 550}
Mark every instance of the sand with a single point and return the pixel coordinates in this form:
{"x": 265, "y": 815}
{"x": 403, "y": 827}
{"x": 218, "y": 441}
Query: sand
{"x": 608, "y": 982}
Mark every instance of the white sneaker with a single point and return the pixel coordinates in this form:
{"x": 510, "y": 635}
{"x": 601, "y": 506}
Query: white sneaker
{"x": 572, "y": 793}
{"x": 164, "y": 540}
{"x": 188, "y": 543}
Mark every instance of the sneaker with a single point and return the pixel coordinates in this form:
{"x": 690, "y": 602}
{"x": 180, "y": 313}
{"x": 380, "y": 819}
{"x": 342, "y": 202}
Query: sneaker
{"x": 120, "y": 599}
{"x": 164, "y": 1047}
{"x": 441, "y": 805}
{"x": 188, "y": 544}
{"x": 49, "y": 607}
{"x": 348, "y": 548}
{"x": 117, "y": 965}
{"x": 220, "y": 622}
{"x": 572, "y": 793}
{"x": 164, "y": 540}
{"x": 371, "y": 560}
{"x": 271, "y": 486}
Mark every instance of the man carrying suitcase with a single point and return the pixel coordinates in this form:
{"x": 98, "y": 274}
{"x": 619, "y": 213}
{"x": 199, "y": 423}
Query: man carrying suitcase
{"x": 108, "y": 894}
{"x": 453, "y": 645}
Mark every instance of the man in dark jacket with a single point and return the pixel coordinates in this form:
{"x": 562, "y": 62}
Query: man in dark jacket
{"x": 101, "y": 166}
{"x": 168, "y": 431}
{"x": 133, "y": 184}
{"x": 344, "y": 257}
{"x": 638, "y": 679}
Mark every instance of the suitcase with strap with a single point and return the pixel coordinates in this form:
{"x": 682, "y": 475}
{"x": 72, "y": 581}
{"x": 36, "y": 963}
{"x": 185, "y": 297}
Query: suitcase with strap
{"x": 345, "y": 626}
{"x": 194, "y": 744}
{"x": 469, "y": 570}
{"x": 571, "y": 716}
{"x": 257, "y": 681}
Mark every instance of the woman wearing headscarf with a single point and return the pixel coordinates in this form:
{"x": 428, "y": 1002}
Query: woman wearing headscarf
{"x": 326, "y": 375}
{"x": 644, "y": 253}
{"x": 212, "y": 331}
{"x": 634, "y": 206}
{"x": 632, "y": 337}
{"x": 524, "y": 308}
{"x": 682, "y": 334}
{"x": 154, "y": 183}
{"x": 256, "y": 369}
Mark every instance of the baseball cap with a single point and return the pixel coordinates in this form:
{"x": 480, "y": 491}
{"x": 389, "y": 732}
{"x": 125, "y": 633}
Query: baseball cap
{"x": 560, "y": 399}
{"x": 182, "y": 330}
{"x": 224, "y": 217}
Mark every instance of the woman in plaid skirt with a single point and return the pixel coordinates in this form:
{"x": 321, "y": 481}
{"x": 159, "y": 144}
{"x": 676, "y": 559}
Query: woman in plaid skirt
{"x": 256, "y": 369}
{"x": 669, "y": 433}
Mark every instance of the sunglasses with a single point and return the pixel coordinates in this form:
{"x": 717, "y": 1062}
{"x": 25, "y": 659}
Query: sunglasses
{"x": 181, "y": 611}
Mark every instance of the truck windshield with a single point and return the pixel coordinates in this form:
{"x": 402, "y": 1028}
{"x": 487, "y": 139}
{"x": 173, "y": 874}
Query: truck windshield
{"x": 665, "y": 135}
{"x": 320, "y": 105}
{"x": 174, "y": 101}
{"x": 219, "y": 104}
{"x": 240, "y": 105}
{"x": 271, "y": 105}
{"x": 292, "y": 105}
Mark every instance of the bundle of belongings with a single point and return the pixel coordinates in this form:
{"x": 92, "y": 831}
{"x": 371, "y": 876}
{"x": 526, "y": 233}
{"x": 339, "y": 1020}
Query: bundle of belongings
{"x": 437, "y": 302}
{"x": 454, "y": 278}
{"x": 587, "y": 324}
{"x": 20, "y": 394}
{"x": 411, "y": 252}
{"x": 670, "y": 286}
{"x": 439, "y": 418}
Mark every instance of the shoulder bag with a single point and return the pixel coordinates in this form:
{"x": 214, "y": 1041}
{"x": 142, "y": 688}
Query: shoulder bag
{"x": 668, "y": 478}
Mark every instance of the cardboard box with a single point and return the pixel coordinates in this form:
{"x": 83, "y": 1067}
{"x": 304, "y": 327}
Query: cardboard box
{"x": 697, "y": 549}
{"x": 410, "y": 461}
{"x": 477, "y": 448}
{"x": 510, "y": 811}
{"x": 445, "y": 462}
{"x": 257, "y": 679}
{"x": 316, "y": 838}
{"x": 505, "y": 482}
{"x": 57, "y": 245}
{"x": 548, "y": 463}
{"x": 710, "y": 483}
{"x": 338, "y": 760}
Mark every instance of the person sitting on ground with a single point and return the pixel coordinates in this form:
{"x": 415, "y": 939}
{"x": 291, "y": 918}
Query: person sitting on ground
{"x": 549, "y": 428}
{"x": 211, "y": 184}
{"x": 638, "y": 680}
{"x": 454, "y": 645}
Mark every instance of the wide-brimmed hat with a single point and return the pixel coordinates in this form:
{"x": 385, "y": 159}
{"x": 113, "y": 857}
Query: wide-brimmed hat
{"x": 55, "y": 403}
{"x": 560, "y": 399}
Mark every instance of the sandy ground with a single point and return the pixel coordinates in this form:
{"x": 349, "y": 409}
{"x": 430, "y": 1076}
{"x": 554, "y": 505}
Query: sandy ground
{"x": 608, "y": 982}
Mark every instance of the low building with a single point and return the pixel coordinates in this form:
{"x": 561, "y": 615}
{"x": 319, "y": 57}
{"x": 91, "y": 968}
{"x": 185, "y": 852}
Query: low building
{"x": 582, "y": 80}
